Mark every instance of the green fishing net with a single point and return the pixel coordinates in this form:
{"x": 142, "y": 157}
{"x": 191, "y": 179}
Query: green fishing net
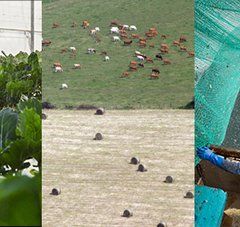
{"x": 217, "y": 67}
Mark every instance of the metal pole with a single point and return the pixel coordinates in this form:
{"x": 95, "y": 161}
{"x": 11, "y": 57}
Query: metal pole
{"x": 32, "y": 26}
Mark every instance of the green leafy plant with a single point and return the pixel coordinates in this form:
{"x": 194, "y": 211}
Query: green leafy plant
{"x": 20, "y": 140}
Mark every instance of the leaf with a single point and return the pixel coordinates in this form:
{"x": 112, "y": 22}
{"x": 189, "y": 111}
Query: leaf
{"x": 8, "y": 123}
{"x": 30, "y": 103}
{"x": 29, "y": 125}
{"x": 20, "y": 199}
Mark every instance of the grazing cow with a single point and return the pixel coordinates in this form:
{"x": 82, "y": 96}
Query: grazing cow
{"x": 140, "y": 58}
{"x": 106, "y": 58}
{"x": 77, "y": 66}
{"x": 183, "y": 48}
{"x": 133, "y": 28}
{"x": 190, "y": 54}
{"x": 97, "y": 29}
{"x": 166, "y": 61}
{"x": 125, "y": 26}
{"x": 57, "y": 69}
{"x": 125, "y": 74}
{"x": 55, "y": 25}
{"x": 137, "y": 52}
{"x": 114, "y": 30}
{"x": 73, "y": 49}
{"x": 159, "y": 56}
{"x": 164, "y": 51}
{"x": 154, "y": 76}
{"x": 133, "y": 63}
{"x": 149, "y": 34}
{"x": 149, "y": 60}
{"x": 135, "y": 36}
{"x": 93, "y": 32}
{"x": 46, "y": 42}
{"x": 152, "y": 45}
{"x": 156, "y": 71}
{"x": 91, "y": 51}
{"x": 57, "y": 64}
{"x": 115, "y": 22}
{"x": 143, "y": 55}
{"x": 142, "y": 44}
{"x": 74, "y": 24}
{"x": 116, "y": 38}
{"x": 164, "y": 46}
{"x": 163, "y": 36}
{"x": 133, "y": 68}
{"x": 85, "y": 24}
{"x": 64, "y": 86}
{"x": 141, "y": 65}
{"x": 103, "y": 53}
{"x": 64, "y": 50}
{"x": 124, "y": 36}
{"x": 182, "y": 39}
{"x": 127, "y": 42}
{"x": 142, "y": 40}
{"x": 176, "y": 43}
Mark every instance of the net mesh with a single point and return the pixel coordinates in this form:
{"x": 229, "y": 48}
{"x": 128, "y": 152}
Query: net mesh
{"x": 217, "y": 67}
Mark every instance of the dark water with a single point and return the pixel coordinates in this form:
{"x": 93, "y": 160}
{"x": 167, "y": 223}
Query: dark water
{"x": 232, "y": 138}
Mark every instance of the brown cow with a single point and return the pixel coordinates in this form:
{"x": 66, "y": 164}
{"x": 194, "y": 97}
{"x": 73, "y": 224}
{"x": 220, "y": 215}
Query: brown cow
{"x": 149, "y": 60}
{"x": 133, "y": 63}
{"x": 125, "y": 74}
{"x": 141, "y": 65}
{"x": 190, "y": 54}
{"x": 124, "y": 36}
{"x": 46, "y": 42}
{"x": 114, "y": 22}
{"x": 64, "y": 50}
{"x": 74, "y": 24}
{"x": 152, "y": 45}
{"x": 163, "y": 36}
{"x": 127, "y": 42}
{"x": 183, "y": 48}
{"x": 103, "y": 53}
{"x": 135, "y": 36}
{"x": 164, "y": 51}
{"x": 182, "y": 39}
{"x": 176, "y": 43}
{"x": 149, "y": 34}
{"x": 57, "y": 64}
{"x": 142, "y": 39}
{"x": 55, "y": 25}
{"x": 164, "y": 46}
{"x": 155, "y": 70}
{"x": 133, "y": 68}
{"x": 154, "y": 76}
{"x": 85, "y": 24}
{"x": 166, "y": 61}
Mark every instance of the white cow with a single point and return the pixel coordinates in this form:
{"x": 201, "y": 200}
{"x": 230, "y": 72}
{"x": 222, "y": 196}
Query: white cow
{"x": 57, "y": 69}
{"x": 77, "y": 66}
{"x": 137, "y": 52}
{"x": 133, "y": 28}
{"x": 93, "y": 31}
{"x": 73, "y": 49}
{"x": 116, "y": 38}
{"x": 125, "y": 26}
{"x": 97, "y": 29}
{"x": 64, "y": 86}
{"x": 106, "y": 58}
{"x": 91, "y": 51}
{"x": 114, "y": 30}
{"x": 141, "y": 58}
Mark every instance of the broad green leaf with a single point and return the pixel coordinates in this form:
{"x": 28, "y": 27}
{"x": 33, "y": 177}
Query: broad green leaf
{"x": 8, "y": 123}
{"x": 30, "y": 103}
{"x": 20, "y": 199}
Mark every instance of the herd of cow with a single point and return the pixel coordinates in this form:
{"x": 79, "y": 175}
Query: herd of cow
{"x": 124, "y": 33}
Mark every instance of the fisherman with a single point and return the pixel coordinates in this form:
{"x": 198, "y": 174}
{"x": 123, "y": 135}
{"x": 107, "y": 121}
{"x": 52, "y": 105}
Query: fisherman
{"x": 207, "y": 154}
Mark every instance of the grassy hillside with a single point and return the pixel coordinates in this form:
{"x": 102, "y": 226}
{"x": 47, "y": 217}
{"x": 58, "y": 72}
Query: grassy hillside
{"x": 98, "y": 83}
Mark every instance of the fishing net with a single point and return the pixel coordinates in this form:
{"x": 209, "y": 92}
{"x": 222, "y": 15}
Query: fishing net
{"x": 217, "y": 67}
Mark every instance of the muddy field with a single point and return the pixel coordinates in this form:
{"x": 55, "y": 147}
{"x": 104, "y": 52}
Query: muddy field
{"x": 96, "y": 179}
